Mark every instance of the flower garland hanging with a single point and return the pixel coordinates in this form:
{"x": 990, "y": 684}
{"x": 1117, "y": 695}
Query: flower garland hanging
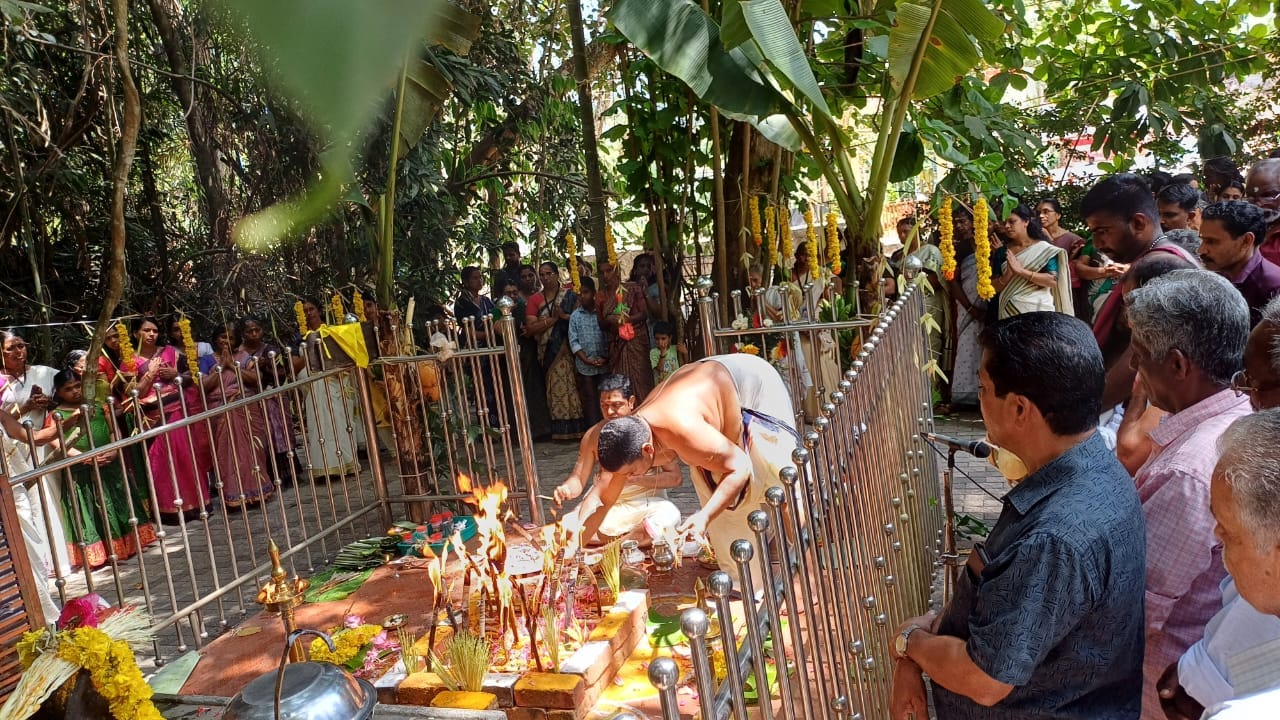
{"x": 102, "y": 648}
{"x": 339, "y": 312}
{"x": 947, "y": 242}
{"x": 753, "y": 207}
{"x": 609, "y": 245}
{"x": 571, "y": 247}
{"x": 982, "y": 249}
{"x": 771, "y": 234}
{"x": 128, "y": 362}
{"x": 301, "y": 315}
{"x": 833, "y": 243}
{"x": 189, "y": 346}
{"x": 357, "y": 304}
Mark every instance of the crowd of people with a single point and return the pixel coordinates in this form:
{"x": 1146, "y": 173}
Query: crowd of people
{"x": 109, "y": 509}
{"x": 1134, "y": 570}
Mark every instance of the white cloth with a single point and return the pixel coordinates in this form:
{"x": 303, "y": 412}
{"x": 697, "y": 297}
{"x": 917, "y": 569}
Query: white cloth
{"x": 328, "y": 408}
{"x": 1260, "y": 706}
{"x": 18, "y": 391}
{"x": 1237, "y": 642}
{"x": 30, "y": 517}
{"x": 637, "y": 504}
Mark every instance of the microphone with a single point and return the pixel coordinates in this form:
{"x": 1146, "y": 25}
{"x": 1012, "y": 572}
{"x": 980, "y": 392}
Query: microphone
{"x": 976, "y": 448}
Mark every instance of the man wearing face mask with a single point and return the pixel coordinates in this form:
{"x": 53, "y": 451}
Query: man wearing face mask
{"x": 1046, "y": 620}
{"x": 1189, "y": 331}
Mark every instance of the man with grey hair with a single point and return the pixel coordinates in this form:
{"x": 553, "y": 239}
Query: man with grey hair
{"x": 1246, "y": 506}
{"x": 1189, "y": 331}
{"x": 1260, "y": 378}
{"x": 1262, "y": 188}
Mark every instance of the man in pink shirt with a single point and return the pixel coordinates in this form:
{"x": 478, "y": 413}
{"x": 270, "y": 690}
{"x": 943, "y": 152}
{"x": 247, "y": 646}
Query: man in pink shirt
{"x": 1189, "y": 332}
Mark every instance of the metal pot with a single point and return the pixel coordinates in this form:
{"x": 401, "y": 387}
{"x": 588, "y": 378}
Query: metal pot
{"x": 304, "y": 691}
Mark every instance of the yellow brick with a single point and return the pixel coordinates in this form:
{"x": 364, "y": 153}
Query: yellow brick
{"x": 610, "y": 625}
{"x": 464, "y": 700}
{"x": 549, "y": 690}
{"x": 420, "y": 688}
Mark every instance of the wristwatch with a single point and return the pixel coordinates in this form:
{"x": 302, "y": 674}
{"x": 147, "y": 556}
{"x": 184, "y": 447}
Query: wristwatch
{"x": 900, "y": 642}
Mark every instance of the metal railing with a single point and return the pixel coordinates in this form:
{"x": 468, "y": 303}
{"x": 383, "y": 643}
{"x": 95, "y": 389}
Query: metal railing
{"x": 848, "y": 543}
{"x": 198, "y": 574}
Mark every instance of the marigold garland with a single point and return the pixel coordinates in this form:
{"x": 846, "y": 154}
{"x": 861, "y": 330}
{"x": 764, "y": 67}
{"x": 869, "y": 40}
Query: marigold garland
{"x": 111, "y": 665}
{"x": 301, "y": 314}
{"x": 750, "y": 349}
{"x": 189, "y": 346}
{"x": 982, "y": 249}
{"x": 348, "y": 644}
{"x": 571, "y": 247}
{"x": 833, "y": 243}
{"x": 339, "y": 312}
{"x": 128, "y": 362}
{"x": 947, "y": 243}
{"x": 357, "y": 304}
{"x": 753, "y": 207}
{"x": 609, "y": 245}
{"x": 771, "y": 234}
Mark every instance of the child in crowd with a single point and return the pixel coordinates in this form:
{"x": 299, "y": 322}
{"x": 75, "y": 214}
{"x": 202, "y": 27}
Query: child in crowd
{"x": 665, "y": 358}
{"x": 590, "y": 349}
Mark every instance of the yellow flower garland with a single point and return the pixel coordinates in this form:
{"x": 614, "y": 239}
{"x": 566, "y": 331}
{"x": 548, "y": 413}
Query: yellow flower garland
{"x": 753, "y": 208}
{"x": 609, "y": 245}
{"x": 302, "y": 317}
{"x": 571, "y": 247}
{"x": 357, "y": 304}
{"x": 128, "y": 363}
{"x": 189, "y": 346}
{"x": 339, "y": 312}
{"x": 112, "y": 668}
{"x": 750, "y": 349}
{"x": 982, "y": 249}
{"x": 947, "y": 243}
{"x": 833, "y": 243}
{"x": 771, "y": 234}
{"x": 347, "y": 643}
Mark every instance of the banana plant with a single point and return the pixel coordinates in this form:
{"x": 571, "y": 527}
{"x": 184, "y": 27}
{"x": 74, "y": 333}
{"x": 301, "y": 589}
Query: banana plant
{"x": 752, "y": 66}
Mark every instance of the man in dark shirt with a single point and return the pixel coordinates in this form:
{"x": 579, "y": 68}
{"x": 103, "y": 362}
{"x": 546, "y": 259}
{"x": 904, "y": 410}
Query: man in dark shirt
{"x": 1229, "y": 238}
{"x": 1047, "y": 618}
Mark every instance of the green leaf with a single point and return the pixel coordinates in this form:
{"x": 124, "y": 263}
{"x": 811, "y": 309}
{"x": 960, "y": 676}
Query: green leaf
{"x": 733, "y": 26}
{"x": 772, "y": 30}
{"x": 976, "y": 18}
{"x": 908, "y": 161}
{"x": 682, "y": 40}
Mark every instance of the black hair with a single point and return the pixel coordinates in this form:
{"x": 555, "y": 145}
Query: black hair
{"x": 1029, "y": 216}
{"x": 1182, "y": 179}
{"x": 1021, "y": 351}
{"x": 467, "y": 272}
{"x": 1157, "y": 179}
{"x": 1180, "y": 194}
{"x": 1153, "y": 265}
{"x": 664, "y": 327}
{"x": 510, "y": 245}
{"x": 527, "y": 266}
{"x": 1239, "y": 217}
{"x": 907, "y": 220}
{"x": 554, "y": 267}
{"x": 1223, "y": 166}
{"x": 617, "y": 383}
{"x": 1053, "y": 203}
{"x": 1123, "y": 195}
{"x": 251, "y": 318}
{"x": 585, "y": 283}
{"x": 232, "y": 331}
{"x": 1237, "y": 184}
{"x": 622, "y": 442}
{"x": 137, "y": 324}
{"x": 960, "y": 210}
{"x": 63, "y": 378}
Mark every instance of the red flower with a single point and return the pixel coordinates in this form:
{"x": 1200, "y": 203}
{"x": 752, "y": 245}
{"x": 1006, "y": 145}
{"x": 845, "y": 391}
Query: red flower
{"x": 626, "y": 332}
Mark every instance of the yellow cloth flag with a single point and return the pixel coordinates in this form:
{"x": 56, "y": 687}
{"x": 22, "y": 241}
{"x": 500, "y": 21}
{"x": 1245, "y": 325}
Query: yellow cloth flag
{"x": 349, "y": 337}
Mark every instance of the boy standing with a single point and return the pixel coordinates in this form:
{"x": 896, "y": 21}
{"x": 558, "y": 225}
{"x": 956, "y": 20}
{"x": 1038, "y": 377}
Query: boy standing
{"x": 665, "y": 358}
{"x": 590, "y": 349}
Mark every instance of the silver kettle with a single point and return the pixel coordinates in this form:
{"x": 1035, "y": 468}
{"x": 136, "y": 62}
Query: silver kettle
{"x": 304, "y": 691}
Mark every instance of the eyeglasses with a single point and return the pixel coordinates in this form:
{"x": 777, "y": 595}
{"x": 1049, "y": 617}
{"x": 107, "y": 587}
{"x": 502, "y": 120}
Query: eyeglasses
{"x": 1243, "y": 385}
{"x": 1262, "y": 199}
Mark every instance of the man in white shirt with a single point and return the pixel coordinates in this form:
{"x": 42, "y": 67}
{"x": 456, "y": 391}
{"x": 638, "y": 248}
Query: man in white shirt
{"x": 1246, "y": 505}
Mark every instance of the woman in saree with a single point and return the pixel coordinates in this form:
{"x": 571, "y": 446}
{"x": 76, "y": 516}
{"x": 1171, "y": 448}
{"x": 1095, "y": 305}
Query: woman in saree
{"x": 326, "y": 407}
{"x": 535, "y": 385}
{"x": 547, "y": 320}
{"x": 178, "y": 460}
{"x": 272, "y": 370}
{"x": 101, "y": 502}
{"x": 240, "y": 436}
{"x": 1035, "y": 275}
{"x": 817, "y": 350}
{"x": 624, "y": 318}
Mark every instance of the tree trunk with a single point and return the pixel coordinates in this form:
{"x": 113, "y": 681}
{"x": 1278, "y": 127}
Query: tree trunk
{"x": 131, "y": 121}
{"x": 155, "y": 215}
{"x": 590, "y": 152}
{"x": 204, "y": 150}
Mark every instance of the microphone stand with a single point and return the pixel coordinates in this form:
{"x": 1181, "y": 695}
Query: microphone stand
{"x": 950, "y": 558}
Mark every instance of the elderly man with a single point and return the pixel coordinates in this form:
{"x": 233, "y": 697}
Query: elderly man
{"x": 1122, "y": 215}
{"x": 1262, "y": 188}
{"x": 1046, "y": 620}
{"x": 1189, "y": 330}
{"x": 642, "y": 510}
{"x": 1229, "y": 239}
{"x": 1246, "y": 505}
{"x": 730, "y": 419}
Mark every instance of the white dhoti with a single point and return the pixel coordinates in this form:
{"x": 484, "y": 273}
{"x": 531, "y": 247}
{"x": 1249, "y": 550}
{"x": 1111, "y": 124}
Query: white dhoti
{"x": 769, "y": 438}
{"x": 639, "y": 505}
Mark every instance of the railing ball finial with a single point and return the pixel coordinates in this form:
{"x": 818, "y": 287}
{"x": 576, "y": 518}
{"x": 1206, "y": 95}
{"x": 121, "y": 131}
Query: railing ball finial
{"x": 505, "y": 304}
{"x": 719, "y": 585}
{"x": 694, "y": 623}
{"x": 664, "y": 673}
{"x": 758, "y": 521}
{"x": 741, "y": 550}
{"x": 776, "y": 496}
{"x": 703, "y": 285}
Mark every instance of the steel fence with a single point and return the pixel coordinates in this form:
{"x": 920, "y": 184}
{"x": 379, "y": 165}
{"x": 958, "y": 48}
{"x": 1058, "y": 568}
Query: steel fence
{"x": 327, "y": 481}
{"x": 848, "y": 543}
